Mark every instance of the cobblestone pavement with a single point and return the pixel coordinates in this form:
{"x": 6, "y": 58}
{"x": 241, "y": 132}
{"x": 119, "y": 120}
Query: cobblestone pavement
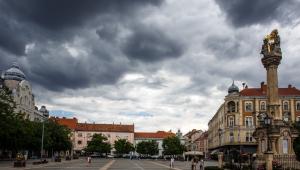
{"x": 107, "y": 164}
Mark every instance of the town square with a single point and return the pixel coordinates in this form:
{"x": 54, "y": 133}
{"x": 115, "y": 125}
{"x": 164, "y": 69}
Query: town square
{"x": 149, "y": 85}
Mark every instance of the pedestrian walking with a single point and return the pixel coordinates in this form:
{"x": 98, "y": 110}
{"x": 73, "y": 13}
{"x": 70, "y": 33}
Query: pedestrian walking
{"x": 89, "y": 159}
{"x": 201, "y": 164}
{"x": 194, "y": 163}
{"x": 172, "y": 162}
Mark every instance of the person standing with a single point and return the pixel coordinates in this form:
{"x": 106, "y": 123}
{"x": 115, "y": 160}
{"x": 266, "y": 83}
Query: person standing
{"x": 89, "y": 159}
{"x": 172, "y": 162}
{"x": 201, "y": 164}
{"x": 194, "y": 164}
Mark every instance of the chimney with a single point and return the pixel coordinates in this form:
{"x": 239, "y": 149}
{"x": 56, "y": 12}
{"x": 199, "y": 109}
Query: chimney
{"x": 289, "y": 86}
{"x": 262, "y": 85}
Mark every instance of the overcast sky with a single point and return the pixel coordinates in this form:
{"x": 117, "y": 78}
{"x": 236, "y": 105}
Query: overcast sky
{"x": 160, "y": 64}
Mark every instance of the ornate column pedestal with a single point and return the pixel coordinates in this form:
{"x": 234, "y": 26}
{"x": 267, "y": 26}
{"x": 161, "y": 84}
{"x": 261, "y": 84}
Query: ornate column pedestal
{"x": 269, "y": 160}
{"x": 220, "y": 159}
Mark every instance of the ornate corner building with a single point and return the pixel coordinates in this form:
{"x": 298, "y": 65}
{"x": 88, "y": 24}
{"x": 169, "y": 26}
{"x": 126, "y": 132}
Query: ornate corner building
{"x": 15, "y": 80}
{"x": 236, "y": 127}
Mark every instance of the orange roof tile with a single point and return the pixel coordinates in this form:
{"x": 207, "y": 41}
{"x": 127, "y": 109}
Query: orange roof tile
{"x": 104, "y": 127}
{"x": 153, "y": 135}
{"x": 290, "y": 91}
{"x": 69, "y": 122}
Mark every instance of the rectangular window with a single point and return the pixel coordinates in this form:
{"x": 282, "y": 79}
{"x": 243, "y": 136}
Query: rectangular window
{"x": 89, "y": 135}
{"x": 248, "y": 121}
{"x": 285, "y": 146}
{"x": 248, "y": 137}
{"x": 231, "y": 137}
{"x": 231, "y": 121}
{"x": 79, "y": 134}
{"x": 263, "y": 106}
{"x": 79, "y": 142}
{"x": 248, "y": 107}
{"x": 298, "y": 119}
{"x": 298, "y": 105}
{"x": 285, "y": 106}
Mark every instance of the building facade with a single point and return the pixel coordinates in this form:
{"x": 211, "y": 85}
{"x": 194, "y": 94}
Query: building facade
{"x": 15, "y": 80}
{"x": 82, "y": 132}
{"x": 233, "y": 125}
{"x": 156, "y": 136}
{"x": 192, "y": 145}
{"x": 202, "y": 144}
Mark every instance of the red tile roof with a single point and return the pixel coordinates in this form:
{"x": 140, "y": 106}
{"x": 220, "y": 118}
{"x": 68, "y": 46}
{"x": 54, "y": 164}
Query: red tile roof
{"x": 104, "y": 127}
{"x": 69, "y": 122}
{"x": 153, "y": 135}
{"x": 289, "y": 91}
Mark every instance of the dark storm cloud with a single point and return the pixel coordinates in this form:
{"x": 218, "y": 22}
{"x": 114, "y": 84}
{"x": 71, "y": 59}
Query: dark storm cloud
{"x": 149, "y": 45}
{"x": 51, "y": 24}
{"x": 57, "y": 69}
{"x": 58, "y": 14}
{"x": 243, "y": 12}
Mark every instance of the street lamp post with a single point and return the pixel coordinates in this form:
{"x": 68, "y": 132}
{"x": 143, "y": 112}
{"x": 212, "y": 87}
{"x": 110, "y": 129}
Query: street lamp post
{"x": 42, "y": 146}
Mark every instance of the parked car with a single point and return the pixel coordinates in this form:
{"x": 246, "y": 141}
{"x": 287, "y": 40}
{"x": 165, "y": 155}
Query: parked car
{"x": 110, "y": 156}
{"x": 96, "y": 155}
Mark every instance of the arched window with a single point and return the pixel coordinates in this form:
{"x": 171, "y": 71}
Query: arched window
{"x": 285, "y": 106}
{"x": 231, "y": 106}
{"x": 263, "y": 106}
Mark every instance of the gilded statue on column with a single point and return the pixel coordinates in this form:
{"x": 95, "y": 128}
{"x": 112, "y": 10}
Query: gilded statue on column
{"x": 271, "y": 45}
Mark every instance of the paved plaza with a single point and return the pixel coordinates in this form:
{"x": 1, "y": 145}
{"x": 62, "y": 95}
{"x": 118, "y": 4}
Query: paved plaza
{"x": 106, "y": 164}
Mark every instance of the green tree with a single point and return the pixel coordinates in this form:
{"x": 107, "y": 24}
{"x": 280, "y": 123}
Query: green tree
{"x": 19, "y": 134}
{"x": 123, "y": 146}
{"x": 147, "y": 147}
{"x": 172, "y": 146}
{"x": 98, "y": 144}
{"x": 10, "y": 123}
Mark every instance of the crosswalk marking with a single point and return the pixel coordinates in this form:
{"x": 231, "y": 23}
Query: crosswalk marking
{"x": 164, "y": 165}
{"x": 106, "y": 166}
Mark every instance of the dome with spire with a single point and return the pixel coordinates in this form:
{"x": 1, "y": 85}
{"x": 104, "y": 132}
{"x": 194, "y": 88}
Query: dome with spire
{"x": 14, "y": 73}
{"x": 233, "y": 88}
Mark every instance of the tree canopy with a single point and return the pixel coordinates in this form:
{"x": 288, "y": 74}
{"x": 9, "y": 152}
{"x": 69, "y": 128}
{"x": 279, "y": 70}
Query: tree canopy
{"x": 19, "y": 134}
{"x": 172, "y": 146}
{"x": 98, "y": 144}
{"x": 123, "y": 146}
{"x": 147, "y": 147}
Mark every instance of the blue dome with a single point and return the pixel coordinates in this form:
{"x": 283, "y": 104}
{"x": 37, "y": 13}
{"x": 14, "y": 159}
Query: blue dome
{"x": 14, "y": 73}
{"x": 233, "y": 88}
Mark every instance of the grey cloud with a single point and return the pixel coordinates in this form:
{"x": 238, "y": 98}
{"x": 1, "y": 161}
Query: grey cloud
{"x": 223, "y": 47}
{"x": 243, "y": 13}
{"x": 51, "y": 23}
{"x": 57, "y": 70}
{"x": 149, "y": 44}
{"x": 60, "y": 14}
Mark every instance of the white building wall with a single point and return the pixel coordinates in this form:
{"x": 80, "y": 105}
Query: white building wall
{"x": 84, "y": 136}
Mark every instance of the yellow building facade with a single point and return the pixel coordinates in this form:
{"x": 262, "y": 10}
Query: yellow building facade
{"x": 232, "y": 126}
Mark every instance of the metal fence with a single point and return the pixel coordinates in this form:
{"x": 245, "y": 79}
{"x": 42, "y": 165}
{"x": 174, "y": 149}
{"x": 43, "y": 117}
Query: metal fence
{"x": 287, "y": 161}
